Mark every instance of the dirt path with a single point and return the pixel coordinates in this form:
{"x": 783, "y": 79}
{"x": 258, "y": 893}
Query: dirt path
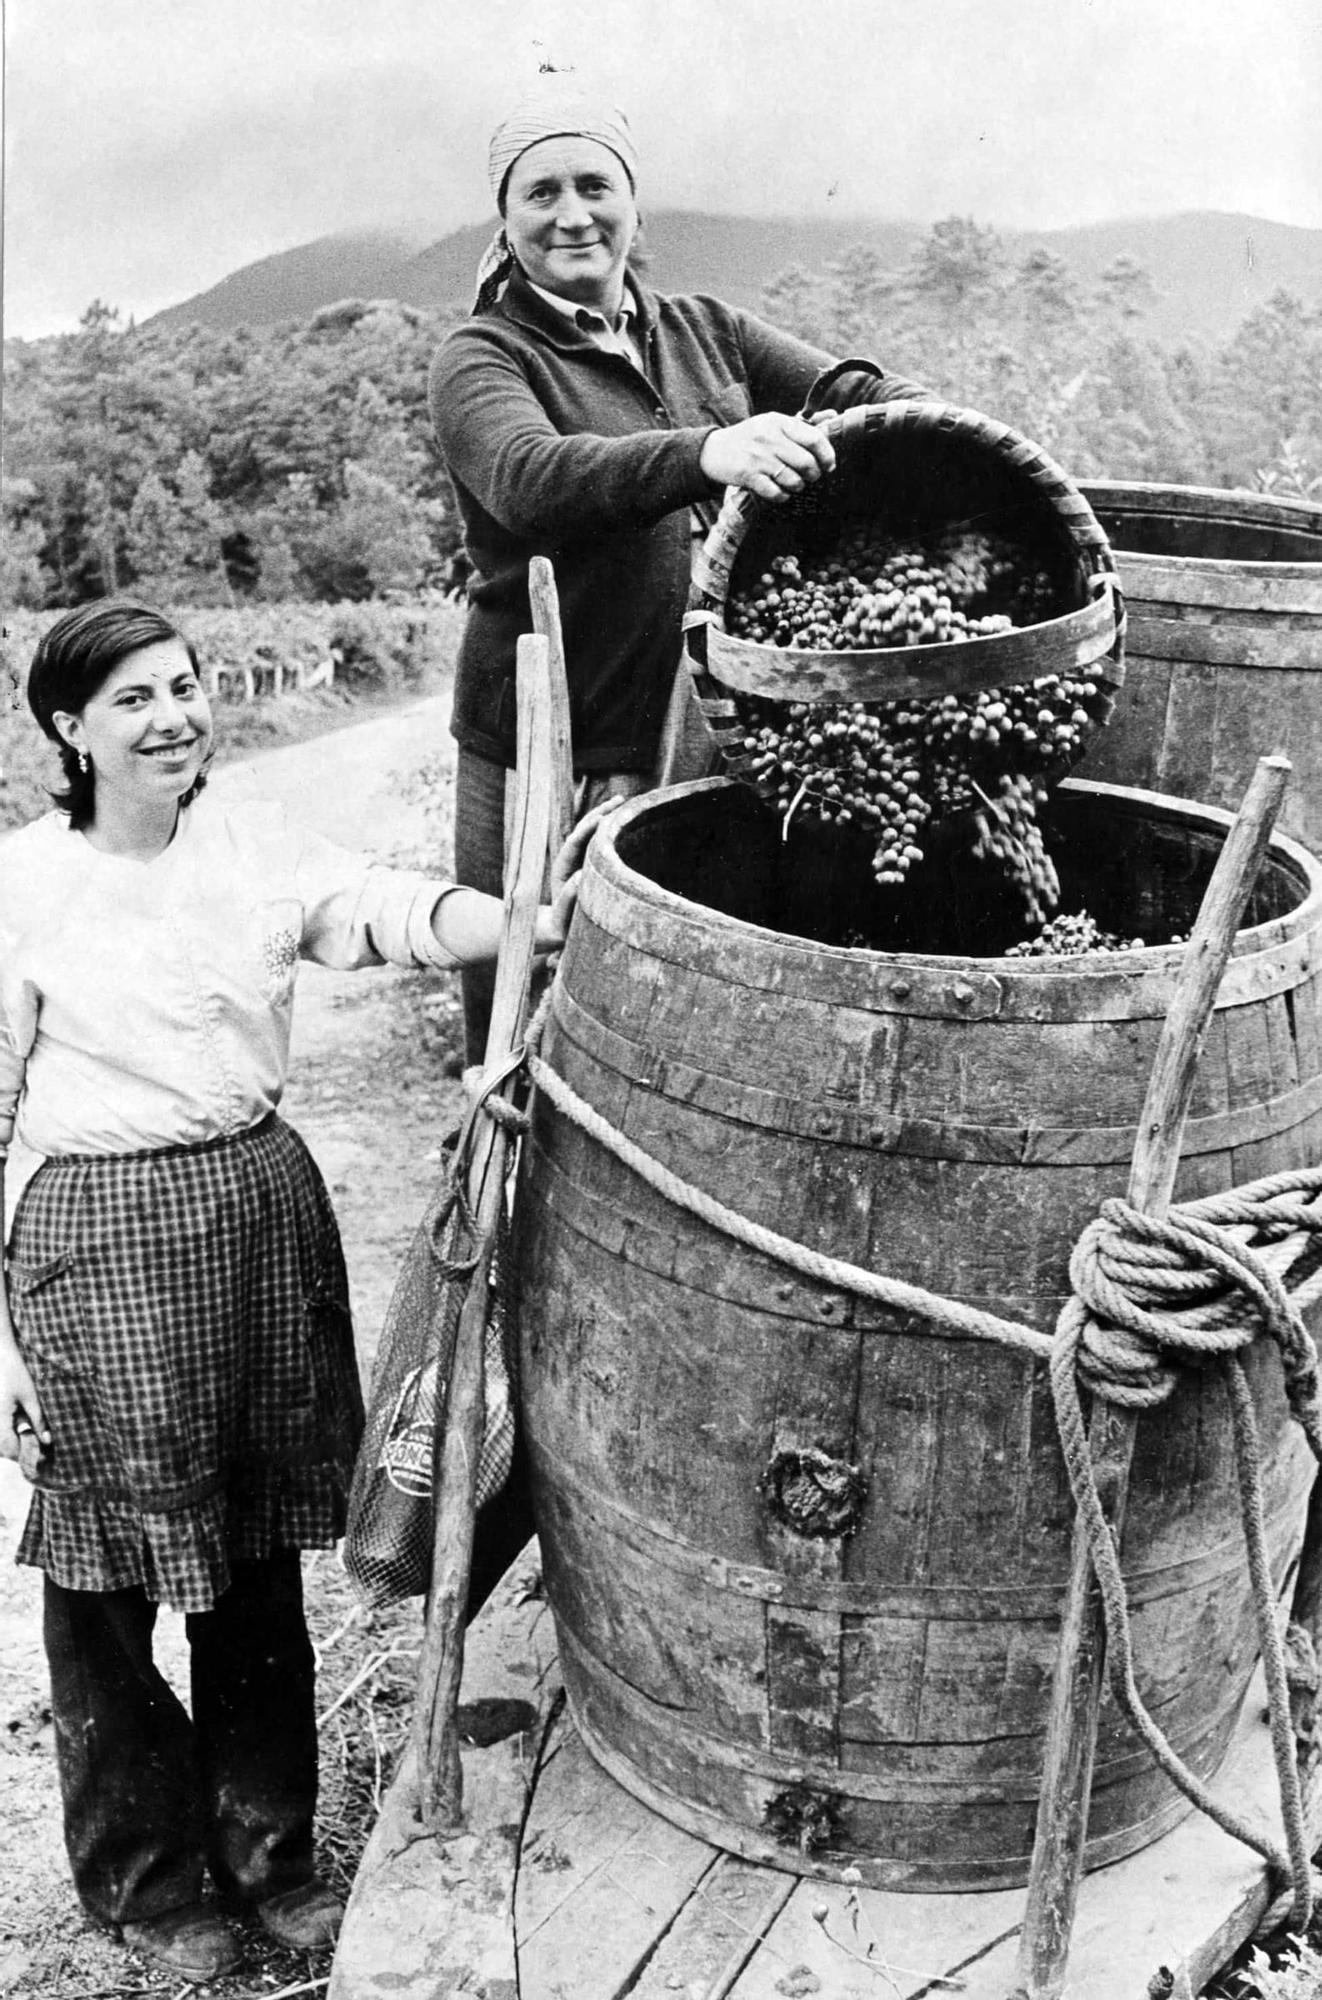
{"x": 373, "y": 1091}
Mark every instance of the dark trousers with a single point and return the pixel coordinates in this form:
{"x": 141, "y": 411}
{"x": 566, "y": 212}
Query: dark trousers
{"x": 506, "y": 1523}
{"x": 479, "y": 859}
{"x": 479, "y": 863}
{"x": 152, "y": 1798}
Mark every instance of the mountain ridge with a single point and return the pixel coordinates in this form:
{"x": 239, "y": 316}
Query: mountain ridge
{"x": 1210, "y": 268}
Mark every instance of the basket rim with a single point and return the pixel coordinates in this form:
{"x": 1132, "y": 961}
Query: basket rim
{"x": 714, "y": 560}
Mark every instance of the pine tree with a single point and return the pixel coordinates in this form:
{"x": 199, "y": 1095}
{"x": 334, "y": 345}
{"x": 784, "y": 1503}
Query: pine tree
{"x": 102, "y": 531}
{"x": 378, "y": 440}
{"x": 201, "y": 527}
{"x": 798, "y": 301}
{"x": 1126, "y": 291}
{"x": 376, "y": 541}
{"x": 23, "y": 577}
{"x": 156, "y": 541}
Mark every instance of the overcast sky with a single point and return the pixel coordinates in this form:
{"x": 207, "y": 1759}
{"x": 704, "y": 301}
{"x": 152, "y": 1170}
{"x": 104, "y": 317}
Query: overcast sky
{"x": 153, "y": 146}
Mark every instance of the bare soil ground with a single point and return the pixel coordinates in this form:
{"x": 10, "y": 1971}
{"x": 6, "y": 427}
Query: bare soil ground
{"x": 373, "y": 1091}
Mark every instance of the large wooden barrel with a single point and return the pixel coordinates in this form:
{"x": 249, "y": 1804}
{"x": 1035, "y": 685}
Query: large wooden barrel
{"x": 1224, "y": 645}
{"x": 867, "y": 1684}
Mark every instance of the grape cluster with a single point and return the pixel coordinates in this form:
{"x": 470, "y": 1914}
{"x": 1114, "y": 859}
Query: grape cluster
{"x": 1008, "y": 835}
{"x": 1072, "y": 936}
{"x": 874, "y": 593}
{"x": 891, "y": 769}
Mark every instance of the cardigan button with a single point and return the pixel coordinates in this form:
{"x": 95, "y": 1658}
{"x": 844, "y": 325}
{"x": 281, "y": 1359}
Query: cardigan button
{"x": 660, "y": 414}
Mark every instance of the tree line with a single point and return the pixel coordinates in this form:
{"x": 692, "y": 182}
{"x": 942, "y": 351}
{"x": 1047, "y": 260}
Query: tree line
{"x": 1073, "y": 366}
{"x": 294, "y": 462}
{"x": 210, "y": 467}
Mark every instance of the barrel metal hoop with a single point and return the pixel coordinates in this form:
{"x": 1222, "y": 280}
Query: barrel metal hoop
{"x": 769, "y": 1766}
{"x": 910, "y": 1133}
{"x": 898, "y": 1873}
{"x": 700, "y": 1572}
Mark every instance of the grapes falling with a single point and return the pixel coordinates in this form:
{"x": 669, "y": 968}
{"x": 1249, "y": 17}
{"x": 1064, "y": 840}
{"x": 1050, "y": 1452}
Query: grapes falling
{"x": 894, "y": 768}
{"x": 1078, "y": 936}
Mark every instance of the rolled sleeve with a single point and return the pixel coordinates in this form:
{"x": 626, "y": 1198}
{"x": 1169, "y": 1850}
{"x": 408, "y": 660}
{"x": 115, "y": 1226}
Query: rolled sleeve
{"x": 426, "y": 947}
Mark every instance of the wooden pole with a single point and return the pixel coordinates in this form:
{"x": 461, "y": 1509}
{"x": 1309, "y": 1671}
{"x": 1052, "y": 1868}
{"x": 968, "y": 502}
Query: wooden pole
{"x": 545, "y": 600}
{"x": 1306, "y": 1605}
{"x": 1071, "y": 1742}
{"x": 434, "y": 1736}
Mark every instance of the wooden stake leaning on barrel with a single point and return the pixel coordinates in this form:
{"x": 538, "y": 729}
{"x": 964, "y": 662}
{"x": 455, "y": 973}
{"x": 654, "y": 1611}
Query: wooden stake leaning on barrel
{"x": 545, "y": 600}
{"x": 1076, "y": 1694}
{"x": 434, "y": 1737}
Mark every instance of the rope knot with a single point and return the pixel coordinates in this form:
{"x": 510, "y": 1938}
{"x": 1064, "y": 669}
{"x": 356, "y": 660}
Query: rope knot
{"x": 1152, "y": 1296}
{"x": 506, "y": 1115}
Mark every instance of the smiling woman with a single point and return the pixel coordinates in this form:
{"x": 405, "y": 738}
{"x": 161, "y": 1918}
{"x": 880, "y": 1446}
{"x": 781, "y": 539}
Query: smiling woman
{"x": 177, "y": 1371}
{"x": 146, "y": 734}
{"x": 570, "y": 220}
{"x": 585, "y": 418}
{"x": 121, "y": 699}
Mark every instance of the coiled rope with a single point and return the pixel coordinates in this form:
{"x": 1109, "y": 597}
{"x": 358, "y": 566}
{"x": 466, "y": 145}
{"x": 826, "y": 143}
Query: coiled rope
{"x": 1149, "y": 1298}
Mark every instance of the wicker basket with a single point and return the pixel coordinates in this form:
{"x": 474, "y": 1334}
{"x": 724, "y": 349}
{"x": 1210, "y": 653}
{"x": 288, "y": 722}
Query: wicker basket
{"x": 918, "y": 469}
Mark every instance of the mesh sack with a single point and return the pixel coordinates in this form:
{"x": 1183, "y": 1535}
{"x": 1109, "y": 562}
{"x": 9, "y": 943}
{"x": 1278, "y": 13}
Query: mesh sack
{"x": 388, "y": 1541}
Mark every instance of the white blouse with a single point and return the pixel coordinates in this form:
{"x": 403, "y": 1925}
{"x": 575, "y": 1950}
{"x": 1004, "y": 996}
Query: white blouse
{"x": 149, "y": 1004}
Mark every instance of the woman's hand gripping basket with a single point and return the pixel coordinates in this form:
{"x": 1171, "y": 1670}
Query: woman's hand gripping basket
{"x": 933, "y": 629}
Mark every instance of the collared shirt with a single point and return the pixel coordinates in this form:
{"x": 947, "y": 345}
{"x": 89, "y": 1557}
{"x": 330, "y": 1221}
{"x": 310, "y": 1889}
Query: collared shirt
{"x": 613, "y": 338}
{"x": 149, "y": 1004}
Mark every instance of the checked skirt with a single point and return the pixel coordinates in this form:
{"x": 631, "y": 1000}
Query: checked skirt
{"x": 185, "y": 1316}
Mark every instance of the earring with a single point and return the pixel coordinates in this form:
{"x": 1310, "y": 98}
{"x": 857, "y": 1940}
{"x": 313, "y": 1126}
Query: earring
{"x": 82, "y": 762}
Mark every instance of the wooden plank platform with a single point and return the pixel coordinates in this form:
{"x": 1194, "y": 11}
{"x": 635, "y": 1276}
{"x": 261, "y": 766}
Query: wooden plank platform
{"x": 565, "y": 1887}
{"x": 428, "y": 1916}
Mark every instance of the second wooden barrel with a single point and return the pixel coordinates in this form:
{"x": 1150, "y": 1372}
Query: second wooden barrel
{"x": 807, "y": 1556}
{"x": 1224, "y": 644}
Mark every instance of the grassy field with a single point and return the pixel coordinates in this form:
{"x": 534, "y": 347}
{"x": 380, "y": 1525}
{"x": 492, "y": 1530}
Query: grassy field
{"x": 383, "y": 654}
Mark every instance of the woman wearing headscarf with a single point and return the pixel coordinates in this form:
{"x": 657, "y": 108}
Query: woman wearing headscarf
{"x": 582, "y": 417}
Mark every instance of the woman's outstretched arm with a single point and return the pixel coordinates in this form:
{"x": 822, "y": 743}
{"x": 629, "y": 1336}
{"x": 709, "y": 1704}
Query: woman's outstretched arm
{"x": 467, "y": 923}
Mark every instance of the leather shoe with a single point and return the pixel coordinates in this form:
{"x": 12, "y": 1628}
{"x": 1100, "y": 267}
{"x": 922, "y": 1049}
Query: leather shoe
{"x": 191, "y": 1941}
{"x": 303, "y": 1919}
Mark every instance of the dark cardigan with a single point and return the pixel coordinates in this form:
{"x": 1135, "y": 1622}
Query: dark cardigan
{"x": 558, "y": 448}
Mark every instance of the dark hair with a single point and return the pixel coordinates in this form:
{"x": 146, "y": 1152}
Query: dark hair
{"x": 76, "y": 657}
